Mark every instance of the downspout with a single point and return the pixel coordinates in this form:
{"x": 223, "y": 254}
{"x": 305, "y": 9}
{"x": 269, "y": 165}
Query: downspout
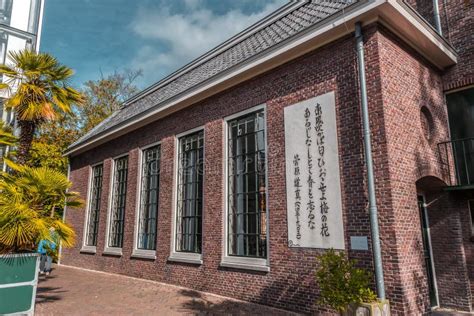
{"x": 374, "y": 223}
{"x": 437, "y": 17}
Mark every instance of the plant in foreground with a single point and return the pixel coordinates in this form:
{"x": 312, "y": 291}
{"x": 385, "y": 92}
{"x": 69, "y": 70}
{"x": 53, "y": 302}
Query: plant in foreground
{"x": 28, "y": 202}
{"x": 341, "y": 283}
{"x": 38, "y": 90}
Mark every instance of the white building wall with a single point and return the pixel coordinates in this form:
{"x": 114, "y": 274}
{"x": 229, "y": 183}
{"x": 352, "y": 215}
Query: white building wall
{"x": 20, "y": 27}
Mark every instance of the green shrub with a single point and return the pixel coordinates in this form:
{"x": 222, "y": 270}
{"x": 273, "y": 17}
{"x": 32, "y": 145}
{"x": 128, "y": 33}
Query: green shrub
{"x": 341, "y": 282}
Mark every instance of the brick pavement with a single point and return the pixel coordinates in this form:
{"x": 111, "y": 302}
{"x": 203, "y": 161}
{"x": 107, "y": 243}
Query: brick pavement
{"x": 71, "y": 291}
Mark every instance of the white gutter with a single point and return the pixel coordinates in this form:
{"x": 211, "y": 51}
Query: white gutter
{"x": 437, "y": 17}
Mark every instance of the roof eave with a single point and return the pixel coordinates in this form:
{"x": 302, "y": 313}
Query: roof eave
{"x": 394, "y": 14}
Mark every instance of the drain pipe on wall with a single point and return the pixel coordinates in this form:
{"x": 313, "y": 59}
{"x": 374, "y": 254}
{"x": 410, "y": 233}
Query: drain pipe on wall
{"x": 374, "y": 223}
{"x": 437, "y": 17}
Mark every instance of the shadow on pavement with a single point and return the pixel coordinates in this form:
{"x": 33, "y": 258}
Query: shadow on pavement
{"x": 199, "y": 305}
{"x": 45, "y": 293}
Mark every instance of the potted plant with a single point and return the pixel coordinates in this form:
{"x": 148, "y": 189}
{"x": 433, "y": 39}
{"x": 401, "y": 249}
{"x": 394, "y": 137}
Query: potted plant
{"x": 28, "y": 203}
{"x": 29, "y": 200}
{"x": 346, "y": 288}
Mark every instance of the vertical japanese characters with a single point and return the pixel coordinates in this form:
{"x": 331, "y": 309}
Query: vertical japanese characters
{"x": 313, "y": 187}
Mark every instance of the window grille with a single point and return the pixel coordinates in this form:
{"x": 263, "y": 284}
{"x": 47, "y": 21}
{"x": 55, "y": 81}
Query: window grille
{"x": 118, "y": 202}
{"x": 149, "y": 198}
{"x": 94, "y": 205}
{"x": 189, "y": 206}
{"x": 247, "y": 222}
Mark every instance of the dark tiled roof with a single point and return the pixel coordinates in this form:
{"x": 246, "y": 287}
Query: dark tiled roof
{"x": 301, "y": 18}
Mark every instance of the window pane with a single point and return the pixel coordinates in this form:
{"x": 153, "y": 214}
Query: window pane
{"x": 94, "y": 205}
{"x": 189, "y": 206}
{"x": 118, "y": 202}
{"x": 149, "y": 199}
{"x": 247, "y": 187}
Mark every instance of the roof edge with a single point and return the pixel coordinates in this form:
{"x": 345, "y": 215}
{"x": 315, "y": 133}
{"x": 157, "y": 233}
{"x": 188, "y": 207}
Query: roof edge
{"x": 249, "y": 31}
{"x": 390, "y": 12}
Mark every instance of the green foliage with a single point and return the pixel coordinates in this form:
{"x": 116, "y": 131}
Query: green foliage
{"x": 105, "y": 96}
{"x": 37, "y": 84}
{"x": 6, "y": 135}
{"x": 28, "y": 207}
{"x": 35, "y": 190}
{"x": 6, "y": 139}
{"x": 48, "y": 155}
{"x": 38, "y": 91}
{"x": 341, "y": 282}
{"x": 101, "y": 98}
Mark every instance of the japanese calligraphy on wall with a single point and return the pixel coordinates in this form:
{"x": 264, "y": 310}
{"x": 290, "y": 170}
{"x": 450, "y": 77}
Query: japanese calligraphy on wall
{"x": 313, "y": 186}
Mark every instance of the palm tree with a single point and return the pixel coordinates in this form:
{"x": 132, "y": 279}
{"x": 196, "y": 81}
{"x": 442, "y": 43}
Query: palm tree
{"x": 7, "y": 139}
{"x": 6, "y": 136}
{"x": 28, "y": 202}
{"x": 38, "y": 90}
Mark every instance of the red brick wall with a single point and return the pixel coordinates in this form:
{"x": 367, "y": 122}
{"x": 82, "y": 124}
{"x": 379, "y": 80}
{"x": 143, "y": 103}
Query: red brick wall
{"x": 449, "y": 224}
{"x": 408, "y": 84}
{"x": 394, "y": 105}
{"x": 457, "y": 23}
{"x": 290, "y": 283}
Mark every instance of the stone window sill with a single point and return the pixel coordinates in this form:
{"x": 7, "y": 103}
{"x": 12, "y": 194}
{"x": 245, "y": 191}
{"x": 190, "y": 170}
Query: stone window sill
{"x": 144, "y": 254}
{"x": 112, "y": 251}
{"x": 184, "y": 257}
{"x": 252, "y": 264}
{"x": 88, "y": 249}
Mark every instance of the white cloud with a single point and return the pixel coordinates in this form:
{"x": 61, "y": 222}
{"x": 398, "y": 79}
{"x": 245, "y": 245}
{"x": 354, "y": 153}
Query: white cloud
{"x": 176, "y": 38}
{"x": 192, "y": 4}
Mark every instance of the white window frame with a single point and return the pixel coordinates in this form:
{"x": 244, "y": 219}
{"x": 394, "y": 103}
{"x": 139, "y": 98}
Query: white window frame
{"x": 143, "y": 253}
{"x": 116, "y": 251}
{"x": 85, "y": 247}
{"x": 246, "y": 263}
{"x": 186, "y": 257}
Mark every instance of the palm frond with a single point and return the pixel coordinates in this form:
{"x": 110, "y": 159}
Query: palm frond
{"x": 40, "y": 85}
{"x": 6, "y": 136}
{"x": 29, "y": 197}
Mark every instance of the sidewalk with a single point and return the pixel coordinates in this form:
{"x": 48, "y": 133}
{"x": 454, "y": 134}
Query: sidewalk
{"x": 71, "y": 291}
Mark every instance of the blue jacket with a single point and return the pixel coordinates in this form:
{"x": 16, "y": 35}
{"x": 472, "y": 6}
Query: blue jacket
{"x": 44, "y": 245}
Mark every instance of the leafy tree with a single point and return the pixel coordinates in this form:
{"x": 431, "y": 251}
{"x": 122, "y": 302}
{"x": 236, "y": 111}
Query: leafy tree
{"x": 28, "y": 207}
{"x": 101, "y": 98}
{"x": 38, "y": 91}
{"x": 48, "y": 155}
{"x": 105, "y": 96}
{"x": 341, "y": 282}
{"x": 51, "y": 140}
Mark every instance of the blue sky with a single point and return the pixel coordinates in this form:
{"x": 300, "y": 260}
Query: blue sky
{"x": 156, "y": 36}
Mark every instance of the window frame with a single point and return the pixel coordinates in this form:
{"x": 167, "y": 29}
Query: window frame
{"x": 117, "y": 251}
{"x": 85, "y": 247}
{"x": 136, "y": 252}
{"x": 178, "y": 256}
{"x": 230, "y": 261}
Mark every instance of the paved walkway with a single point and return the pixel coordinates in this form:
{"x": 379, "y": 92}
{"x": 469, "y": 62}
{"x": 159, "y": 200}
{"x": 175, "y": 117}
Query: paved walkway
{"x": 70, "y": 291}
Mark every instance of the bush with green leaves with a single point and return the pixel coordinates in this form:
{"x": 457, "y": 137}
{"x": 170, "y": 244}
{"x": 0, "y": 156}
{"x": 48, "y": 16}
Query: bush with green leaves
{"x": 29, "y": 200}
{"x": 341, "y": 282}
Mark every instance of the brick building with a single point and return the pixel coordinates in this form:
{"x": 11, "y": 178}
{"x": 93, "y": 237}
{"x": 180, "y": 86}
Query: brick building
{"x": 193, "y": 182}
